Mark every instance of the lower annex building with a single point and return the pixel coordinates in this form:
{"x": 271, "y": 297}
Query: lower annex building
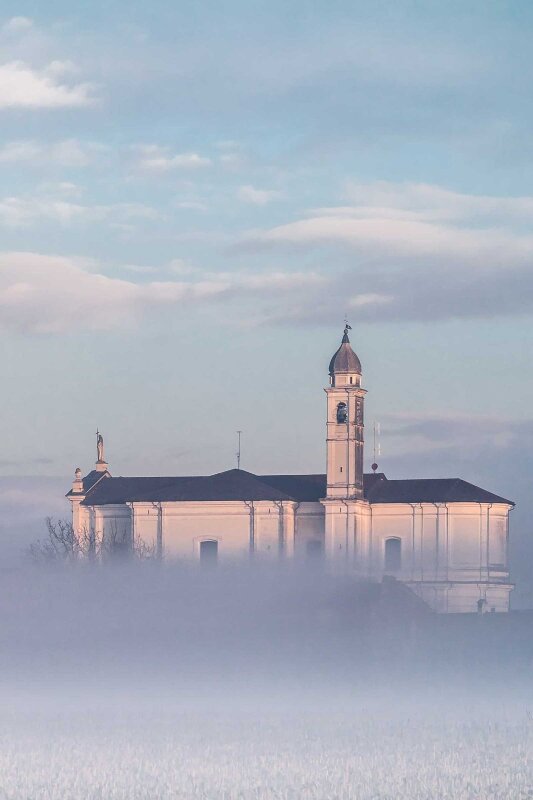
{"x": 444, "y": 538}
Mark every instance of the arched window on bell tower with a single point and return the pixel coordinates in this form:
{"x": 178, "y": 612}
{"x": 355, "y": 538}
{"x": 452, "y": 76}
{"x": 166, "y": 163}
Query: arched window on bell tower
{"x": 342, "y": 413}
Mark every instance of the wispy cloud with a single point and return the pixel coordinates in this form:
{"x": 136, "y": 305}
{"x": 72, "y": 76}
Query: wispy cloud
{"x": 429, "y": 202}
{"x": 429, "y": 430}
{"x": 388, "y": 234}
{"x": 65, "y": 152}
{"x": 17, "y": 25}
{"x": 410, "y": 251}
{"x": 22, "y": 86}
{"x": 154, "y": 158}
{"x": 60, "y": 209}
{"x": 191, "y": 205}
{"x": 258, "y": 197}
{"x": 43, "y": 294}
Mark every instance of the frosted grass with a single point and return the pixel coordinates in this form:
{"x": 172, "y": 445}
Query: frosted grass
{"x": 262, "y": 756}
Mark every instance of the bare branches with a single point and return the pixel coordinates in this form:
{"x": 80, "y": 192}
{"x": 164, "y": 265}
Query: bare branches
{"x": 63, "y": 544}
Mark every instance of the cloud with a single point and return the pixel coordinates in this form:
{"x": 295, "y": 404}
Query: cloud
{"x": 27, "y": 210}
{"x": 383, "y": 233}
{"x": 416, "y": 220}
{"x": 430, "y": 202}
{"x": 17, "y": 24}
{"x": 258, "y": 197}
{"x": 21, "y": 86}
{"x": 65, "y": 153}
{"x": 413, "y": 251}
{"x": 272, "y": 280}
{"x": 359, "y": 300}
{"x": 472, "y": 433}
{"x": 60, "y": 188}
{"x": 52, "y": 294}
{"x": 20, "y": 151}
{"x": 153, "y": 158}
{"x": 42, "y": 294}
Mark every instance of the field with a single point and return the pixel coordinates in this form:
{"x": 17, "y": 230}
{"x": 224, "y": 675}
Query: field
{"x": 253, "y": 755}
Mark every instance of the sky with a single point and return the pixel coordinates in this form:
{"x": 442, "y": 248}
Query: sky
{"x": 195, "y": 196}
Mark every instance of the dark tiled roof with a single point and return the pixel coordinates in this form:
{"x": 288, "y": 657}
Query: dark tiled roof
{"x": 235, "y": 485}
{"x": 231, "y": 485}
{"x": 370, "y": 480}
{"x": 431, "y": 490}
{"x": 345, "y": 360}
{"x": 305, "y": 488}
{"x": 124, "y": 490}
{"x": 311, "y": 488}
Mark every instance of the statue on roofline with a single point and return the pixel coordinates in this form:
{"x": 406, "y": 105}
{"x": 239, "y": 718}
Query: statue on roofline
{"x": 100, "y": 447}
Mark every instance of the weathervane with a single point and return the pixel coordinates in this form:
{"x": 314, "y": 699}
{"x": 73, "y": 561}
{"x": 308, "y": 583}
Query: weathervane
{"x": 347, "y": 326}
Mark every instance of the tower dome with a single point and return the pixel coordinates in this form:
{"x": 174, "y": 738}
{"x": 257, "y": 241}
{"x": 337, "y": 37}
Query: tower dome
{"x": 345, "y": 360}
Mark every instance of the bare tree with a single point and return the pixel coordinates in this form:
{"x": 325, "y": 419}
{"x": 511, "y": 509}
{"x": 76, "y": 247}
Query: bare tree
{"x": 63, "y": 544}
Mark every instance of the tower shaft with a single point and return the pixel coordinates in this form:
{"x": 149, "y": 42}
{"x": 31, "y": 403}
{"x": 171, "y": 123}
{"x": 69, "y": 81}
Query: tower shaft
{"x": 345, "y": 442}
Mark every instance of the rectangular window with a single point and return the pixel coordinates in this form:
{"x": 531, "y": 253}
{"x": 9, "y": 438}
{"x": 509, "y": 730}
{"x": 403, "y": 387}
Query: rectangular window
{"x": 393, "y": 555}
{"x": 209, "y": 552}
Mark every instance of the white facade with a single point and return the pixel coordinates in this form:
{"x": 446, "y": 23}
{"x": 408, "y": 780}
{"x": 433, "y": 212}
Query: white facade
{"x": 446, "y": 540}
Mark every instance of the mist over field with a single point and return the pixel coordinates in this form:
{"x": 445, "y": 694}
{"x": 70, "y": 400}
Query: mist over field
{"x": 144, "y": 680}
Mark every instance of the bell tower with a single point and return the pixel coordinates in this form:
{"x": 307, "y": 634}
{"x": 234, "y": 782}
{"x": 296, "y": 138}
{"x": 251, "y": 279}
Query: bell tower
{"x": 347, "y": 513}
{"x": 345, "y": 408}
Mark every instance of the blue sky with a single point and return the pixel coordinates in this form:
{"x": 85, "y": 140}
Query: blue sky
{"x": 194, "y": 196}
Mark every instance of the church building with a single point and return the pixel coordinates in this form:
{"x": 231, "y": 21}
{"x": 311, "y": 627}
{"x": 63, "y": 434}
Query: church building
{"x": 445, "y": 538}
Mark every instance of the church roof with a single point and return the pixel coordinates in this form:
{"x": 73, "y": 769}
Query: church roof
{"x": 231, "y": 485}
{"x": 304, "y": 488}
{"x": 240, "y": 485}
{"x": 235, "y": 484}
{"x": 431, "y": 490}
{"x": 120, "y": 490}
{"x": 345, "y": 360}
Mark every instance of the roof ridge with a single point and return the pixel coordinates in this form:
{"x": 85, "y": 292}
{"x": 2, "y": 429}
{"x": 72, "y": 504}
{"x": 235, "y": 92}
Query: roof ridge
{"x": 205, "y": 480}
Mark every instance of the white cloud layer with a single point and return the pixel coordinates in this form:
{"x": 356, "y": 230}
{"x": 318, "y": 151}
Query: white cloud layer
{"x": 418, "y": 253}
{"x": 389, "y": 233}
{"x": 22, "y": 86}
{"x": 42, "y": 294}
{"x": 415, "y": 251}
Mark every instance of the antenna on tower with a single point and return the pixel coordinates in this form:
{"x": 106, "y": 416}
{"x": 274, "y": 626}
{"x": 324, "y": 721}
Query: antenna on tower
{"x": 377, "y": 445}
{"x": 238, "y": 453}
